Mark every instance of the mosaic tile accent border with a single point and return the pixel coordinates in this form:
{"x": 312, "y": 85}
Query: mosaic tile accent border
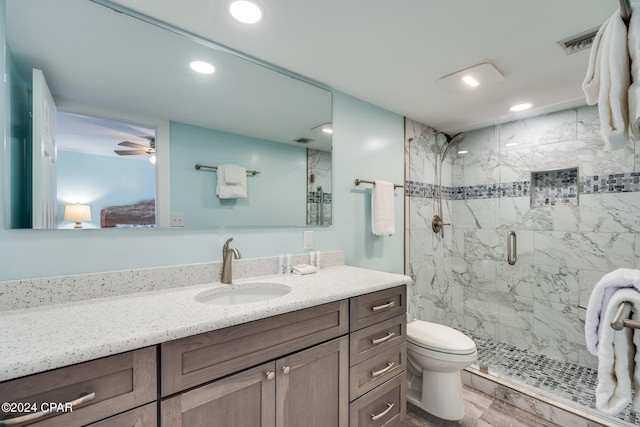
{"x": 596, "y": 184}
{"x": 615, "y": 183}
{"x": 564, "y": 380}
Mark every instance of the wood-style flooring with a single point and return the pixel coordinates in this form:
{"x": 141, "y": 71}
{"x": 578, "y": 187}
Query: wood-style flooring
{"x": 481, "y": 410}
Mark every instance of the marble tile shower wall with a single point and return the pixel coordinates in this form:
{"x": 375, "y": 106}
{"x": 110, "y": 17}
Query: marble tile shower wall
{"x": 562, "y": 250}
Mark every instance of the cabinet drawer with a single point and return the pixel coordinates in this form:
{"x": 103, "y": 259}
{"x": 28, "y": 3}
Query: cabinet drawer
{"x": 383, "y": 406}
{"x": 377, "y": 306}
{"x": 205, "y": 357}
{"x": 145, "y": 416}
{"x": 373, "y": 372}
{"x": 377, "y": 338}
{"x": 120, "y": 382}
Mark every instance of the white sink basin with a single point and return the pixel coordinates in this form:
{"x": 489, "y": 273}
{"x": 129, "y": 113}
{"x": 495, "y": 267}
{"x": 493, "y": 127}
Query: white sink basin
{"x": 243, "y": 293}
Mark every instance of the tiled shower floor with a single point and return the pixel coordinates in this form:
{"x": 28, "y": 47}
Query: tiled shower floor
{"x": 553, "y": 378}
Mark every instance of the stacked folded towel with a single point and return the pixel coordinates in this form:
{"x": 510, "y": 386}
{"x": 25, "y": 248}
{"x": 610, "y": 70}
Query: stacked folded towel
{"x": 232, "y": 182}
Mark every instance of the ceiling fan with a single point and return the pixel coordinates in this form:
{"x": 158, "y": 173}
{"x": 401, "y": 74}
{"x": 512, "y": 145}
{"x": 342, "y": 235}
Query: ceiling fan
{"x": 139, "y": 148}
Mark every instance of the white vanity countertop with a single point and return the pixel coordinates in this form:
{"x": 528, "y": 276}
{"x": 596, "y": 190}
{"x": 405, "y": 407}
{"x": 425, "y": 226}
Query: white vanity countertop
{"x": 38, "y": 339}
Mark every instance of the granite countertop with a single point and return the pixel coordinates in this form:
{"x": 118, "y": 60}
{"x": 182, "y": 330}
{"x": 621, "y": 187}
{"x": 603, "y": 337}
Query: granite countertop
{"x": 43, "y": 338}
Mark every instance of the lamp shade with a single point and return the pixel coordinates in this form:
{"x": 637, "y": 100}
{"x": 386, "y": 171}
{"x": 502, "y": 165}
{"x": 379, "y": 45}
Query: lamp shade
{"x": 77, "y": 213}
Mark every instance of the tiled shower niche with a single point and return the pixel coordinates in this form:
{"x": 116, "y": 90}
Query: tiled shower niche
{"x": 557, "y": 187}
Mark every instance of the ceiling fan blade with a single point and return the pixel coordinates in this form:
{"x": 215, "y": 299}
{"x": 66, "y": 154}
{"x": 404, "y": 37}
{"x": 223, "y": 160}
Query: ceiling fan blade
{"x": 130, "y": 152}
{"x": 133, "y": 145}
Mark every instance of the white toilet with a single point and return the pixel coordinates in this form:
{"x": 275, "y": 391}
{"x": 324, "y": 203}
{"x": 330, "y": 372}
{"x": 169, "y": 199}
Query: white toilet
{"x": 436, "y": 354}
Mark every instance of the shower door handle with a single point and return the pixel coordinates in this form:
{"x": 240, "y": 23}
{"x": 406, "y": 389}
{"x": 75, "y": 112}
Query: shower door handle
{"x": 512, "y": 251}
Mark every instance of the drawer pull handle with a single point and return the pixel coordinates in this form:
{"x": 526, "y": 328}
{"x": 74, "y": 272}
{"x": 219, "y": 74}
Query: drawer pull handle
{"x": 383, "y": 306}
{"x": 383, "y": 413}
{"x": 376, "y": 341}
{"x": 383, "y": 370}
{"x": 270, "y": 375}
{"x": 30, "y": 417}
{"x": 285, "y": 370}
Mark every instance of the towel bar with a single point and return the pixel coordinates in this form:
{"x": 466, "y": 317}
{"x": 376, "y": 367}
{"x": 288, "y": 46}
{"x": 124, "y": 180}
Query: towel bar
{"x": 359, "y": 181}
{"x": 199, "y": 166}
{"x": 622, "y": 318}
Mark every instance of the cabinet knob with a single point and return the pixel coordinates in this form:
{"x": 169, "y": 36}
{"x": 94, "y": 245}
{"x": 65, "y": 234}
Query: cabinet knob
{"x": 285, "y": 370}
{"x": 270, "y": 375}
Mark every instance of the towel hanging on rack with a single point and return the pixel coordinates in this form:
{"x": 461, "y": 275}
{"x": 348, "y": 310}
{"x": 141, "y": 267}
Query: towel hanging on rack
{"x": 383, "y": 208}
{"x": 618, "y": 358}
{"x": 608, "y": 79}
{"x": 232, "y": 182}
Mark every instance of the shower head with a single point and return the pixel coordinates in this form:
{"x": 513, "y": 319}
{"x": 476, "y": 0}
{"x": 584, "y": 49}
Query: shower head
{"x": 455, "y": 139}
{"x": 452, "y": 141}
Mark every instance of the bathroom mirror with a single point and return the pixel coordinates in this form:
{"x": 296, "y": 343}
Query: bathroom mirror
{"x": 124, "y": 68}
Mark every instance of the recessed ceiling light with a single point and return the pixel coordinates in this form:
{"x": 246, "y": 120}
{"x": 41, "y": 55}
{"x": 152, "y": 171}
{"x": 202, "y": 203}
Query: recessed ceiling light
{"x": 202, "y": 67}
{"x": 470, "y": 81}
{"x": 484, "y": 74}
{"x": 463, "y": 152}
{"x": 521, "y": 107}
{"x": 245, "y": 11}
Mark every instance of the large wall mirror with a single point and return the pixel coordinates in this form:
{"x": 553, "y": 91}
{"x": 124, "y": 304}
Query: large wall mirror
{"x": 107, "y": 122}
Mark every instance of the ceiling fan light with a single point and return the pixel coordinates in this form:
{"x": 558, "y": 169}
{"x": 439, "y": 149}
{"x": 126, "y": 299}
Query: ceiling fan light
{"x": 152, "y": 159}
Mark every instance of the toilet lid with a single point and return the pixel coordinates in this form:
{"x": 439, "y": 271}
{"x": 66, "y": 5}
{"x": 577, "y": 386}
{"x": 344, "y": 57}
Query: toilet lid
{"x": 439, "y": 337}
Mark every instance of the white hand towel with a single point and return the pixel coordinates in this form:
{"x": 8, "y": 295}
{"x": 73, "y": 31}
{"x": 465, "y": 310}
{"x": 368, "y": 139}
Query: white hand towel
{"x": 226, "y": 190}
{"x": 599, "y": 301}
{"x": 618, "y": 360}
{"x": 609, "y": 77}
{"x": 634, "y": 89}
{"x": 234, "y": 174}
{"x": 382, "y": 208}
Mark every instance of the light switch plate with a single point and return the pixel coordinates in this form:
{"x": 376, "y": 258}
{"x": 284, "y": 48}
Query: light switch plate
{"x": 308, "y": 240}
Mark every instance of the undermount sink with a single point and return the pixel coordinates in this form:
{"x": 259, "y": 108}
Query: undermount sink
{"x": 243, "y": 293}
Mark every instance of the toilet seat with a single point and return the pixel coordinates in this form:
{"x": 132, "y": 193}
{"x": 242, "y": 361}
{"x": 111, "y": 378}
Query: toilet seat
{"x": 436, "y": 337}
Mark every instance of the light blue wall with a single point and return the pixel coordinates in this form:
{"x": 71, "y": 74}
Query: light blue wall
{"x": 276, "y": 196}
{"x": 102, "y": 181}
{"x": 368, "y": 144}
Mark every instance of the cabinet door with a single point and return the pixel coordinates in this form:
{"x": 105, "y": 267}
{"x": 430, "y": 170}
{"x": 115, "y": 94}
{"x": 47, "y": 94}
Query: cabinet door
{"x": 246, "y": 399}
{"x": 313, "y": 386}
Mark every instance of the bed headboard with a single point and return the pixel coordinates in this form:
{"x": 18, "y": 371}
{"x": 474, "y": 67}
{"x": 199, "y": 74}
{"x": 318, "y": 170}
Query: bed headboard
{"x": 139, "y": 214}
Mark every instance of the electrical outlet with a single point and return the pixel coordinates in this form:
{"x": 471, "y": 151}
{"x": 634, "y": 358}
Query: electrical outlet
{"x": 177, "y": 219}
{"x": 308, "y": 240}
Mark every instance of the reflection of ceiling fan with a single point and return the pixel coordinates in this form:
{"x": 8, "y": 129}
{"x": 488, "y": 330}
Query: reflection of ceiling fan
{"x": 139, "y": 148}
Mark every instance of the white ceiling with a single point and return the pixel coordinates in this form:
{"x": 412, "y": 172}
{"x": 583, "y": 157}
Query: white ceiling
{"x": 392, "y": 53}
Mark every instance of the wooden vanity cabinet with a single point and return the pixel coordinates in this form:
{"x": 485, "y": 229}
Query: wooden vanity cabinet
{"x": 112, "y": 385}
{"x": 378, "y": 358}
{"x": 338, "y": 364}
{"x": 307, "y": 388}
{"x": 302, "y": 377}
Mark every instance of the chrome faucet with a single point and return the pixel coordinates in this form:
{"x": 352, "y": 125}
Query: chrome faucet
{"x": 227, "y": 261}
